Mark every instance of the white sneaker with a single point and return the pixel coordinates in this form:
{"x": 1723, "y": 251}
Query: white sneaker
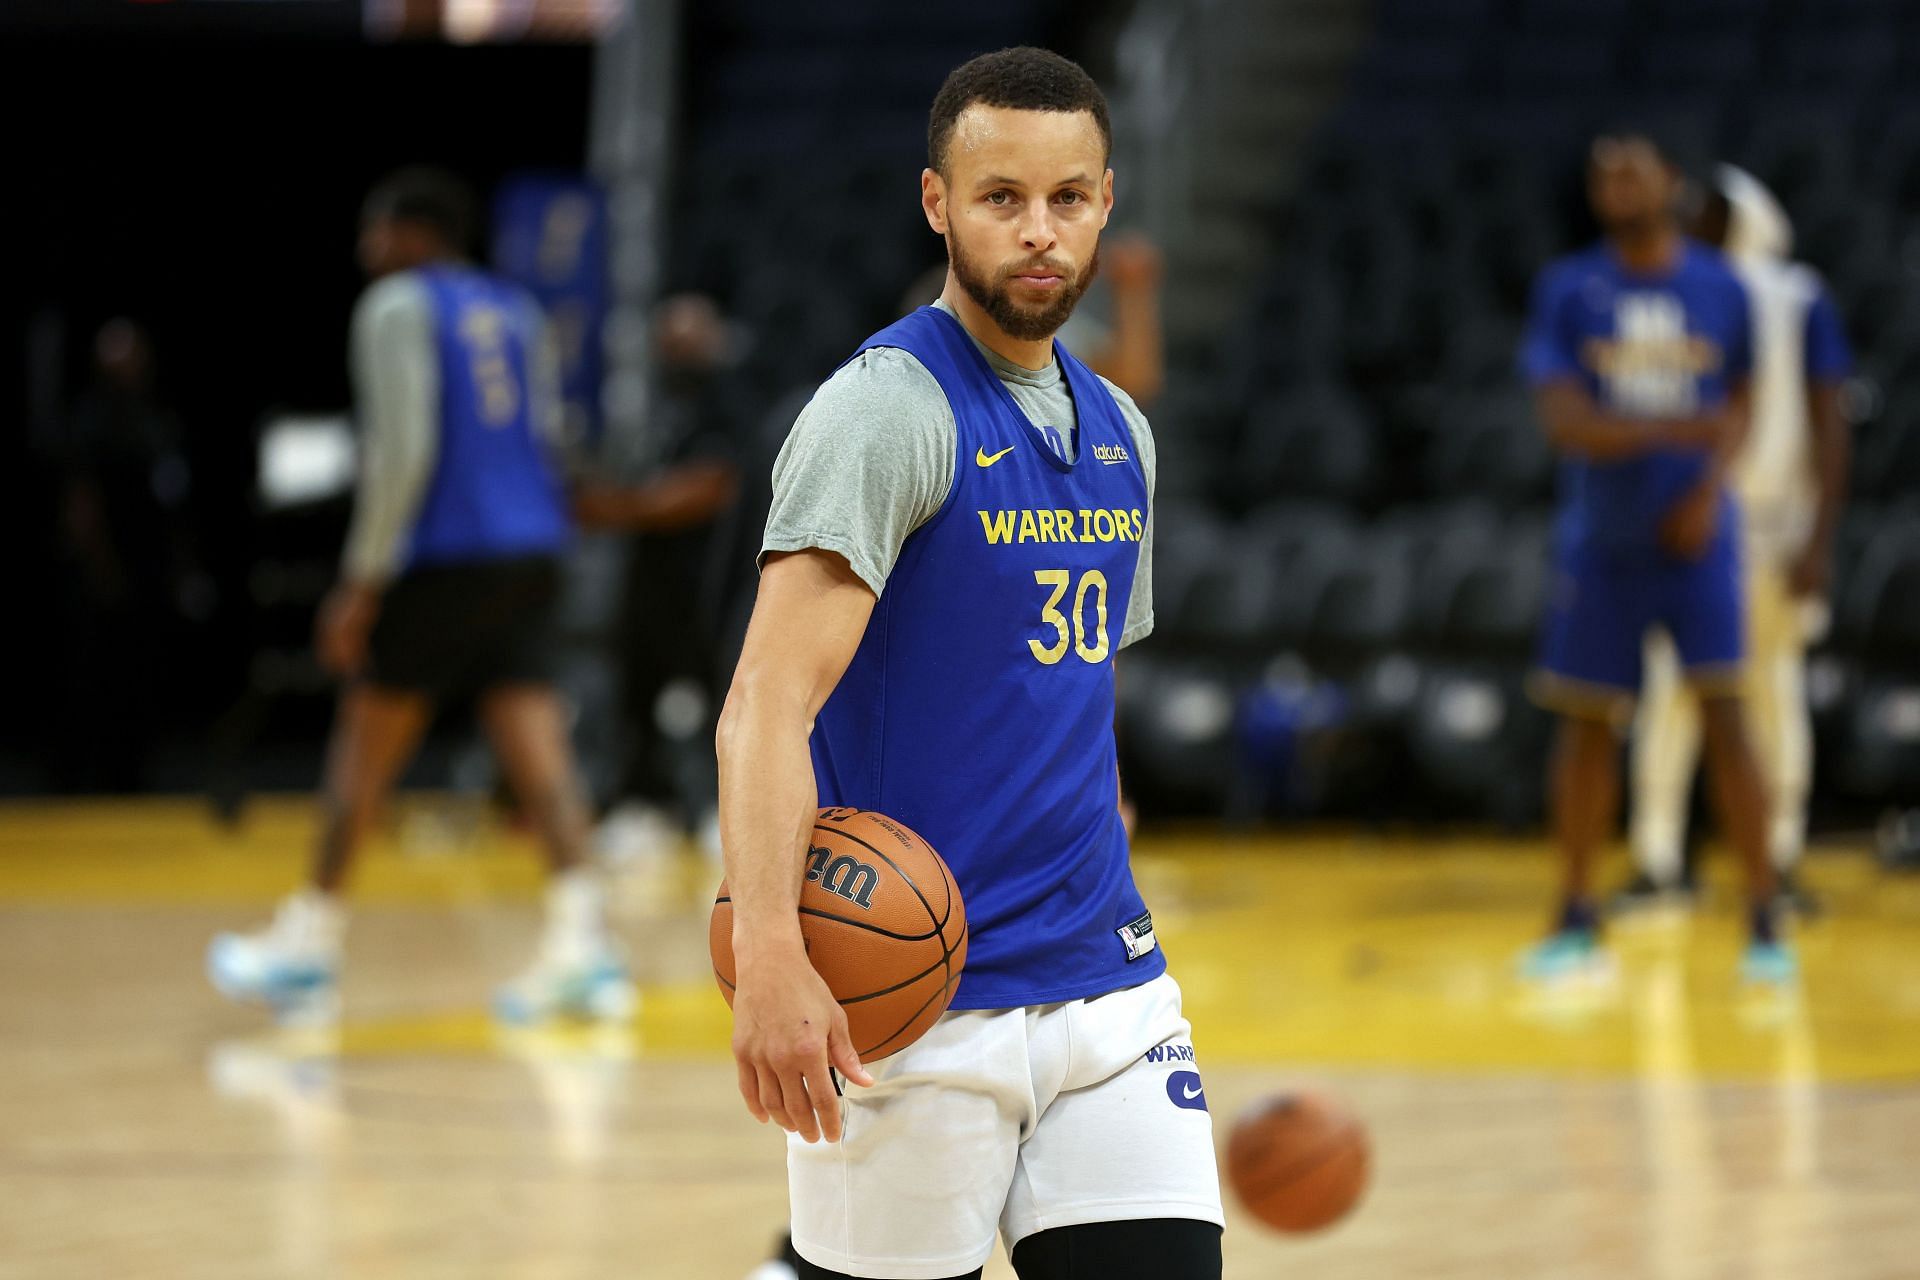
{"x": 587, "y": 982}
{"x": 292, "y": 965}
{"x": 775, "y": 1270}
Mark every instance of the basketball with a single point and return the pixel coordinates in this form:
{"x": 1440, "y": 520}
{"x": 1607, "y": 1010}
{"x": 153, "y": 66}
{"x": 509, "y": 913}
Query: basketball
{"x": 883, "y": 924}
{"x": 1298, "y": 1161}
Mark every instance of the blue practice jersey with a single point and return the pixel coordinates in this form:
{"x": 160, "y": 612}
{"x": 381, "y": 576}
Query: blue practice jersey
{"x": 495, "y": 493}
{"x": 1829, "y": 358}
{"x": 1662, "y": 346}
{"x": 978, "y": 709}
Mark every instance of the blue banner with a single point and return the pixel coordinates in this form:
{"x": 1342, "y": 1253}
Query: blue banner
{"x": 550, "y": 237}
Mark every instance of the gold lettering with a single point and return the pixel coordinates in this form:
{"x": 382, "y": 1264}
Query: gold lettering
{"x": 1063, "y": 521}
{"x": 1103, "y": 525}
{"x": 1086, "y": 525}
{"x": 998, "y": 526}
{"x": 1045, "y": 519}
{"x": 1028, "y": 533}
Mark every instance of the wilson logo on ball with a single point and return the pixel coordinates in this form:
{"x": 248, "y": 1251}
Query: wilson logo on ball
{"x": 842, "y": 875}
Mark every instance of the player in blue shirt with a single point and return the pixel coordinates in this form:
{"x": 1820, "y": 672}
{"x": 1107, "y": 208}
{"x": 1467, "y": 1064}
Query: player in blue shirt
{"x": 956, "y": 551}
{"x": 1639, "y": 351}
{"x": 449, "y": 586}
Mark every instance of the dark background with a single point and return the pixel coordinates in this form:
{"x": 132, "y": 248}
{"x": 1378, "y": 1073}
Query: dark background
{"x": 204, "y": 179}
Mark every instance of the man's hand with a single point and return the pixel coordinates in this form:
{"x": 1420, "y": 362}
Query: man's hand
{"x": 1133, "y": 263}
{"x": 346, "y": 620}
{"x": 678, "y": 498}
{"x": 1689, "y": 525}
{"x": 1708, "y": 431}
{"x": 1811, "y": 575}
{"x": 787, "y": 1031}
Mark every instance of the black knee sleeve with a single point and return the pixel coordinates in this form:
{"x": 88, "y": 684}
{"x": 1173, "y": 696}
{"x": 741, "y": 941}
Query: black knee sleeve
{"x": 1165, "y": 1248}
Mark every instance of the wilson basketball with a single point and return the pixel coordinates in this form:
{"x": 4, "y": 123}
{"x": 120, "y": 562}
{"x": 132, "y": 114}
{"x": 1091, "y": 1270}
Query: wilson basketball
{"x": 1298, "y": 1161}
{"x": 883, "y": 924}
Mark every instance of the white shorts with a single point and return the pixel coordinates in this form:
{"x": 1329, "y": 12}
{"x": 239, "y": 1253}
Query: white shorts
{"x": 1019, "y": 1120}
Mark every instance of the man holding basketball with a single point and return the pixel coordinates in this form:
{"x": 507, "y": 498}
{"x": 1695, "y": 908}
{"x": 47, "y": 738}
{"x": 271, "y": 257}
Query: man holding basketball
{"x": 955, "y": 515}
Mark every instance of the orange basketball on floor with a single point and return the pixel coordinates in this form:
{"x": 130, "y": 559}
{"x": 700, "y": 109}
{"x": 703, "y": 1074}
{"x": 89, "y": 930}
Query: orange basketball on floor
{"x": 883, "y": 924}
{"x": 1298, "y": 1161}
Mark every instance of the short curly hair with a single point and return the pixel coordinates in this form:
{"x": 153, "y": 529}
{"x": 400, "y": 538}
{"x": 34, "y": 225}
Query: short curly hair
{"x": 432, "y": 197}
{"x": 1024, "y": 78}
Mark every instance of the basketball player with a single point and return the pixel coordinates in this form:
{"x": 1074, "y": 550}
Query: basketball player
{"x": 1639, "y": 350}
{"x": 449, "y": 585}
{"x": 958, "y": 545}
{"x": 1791, "y": 476}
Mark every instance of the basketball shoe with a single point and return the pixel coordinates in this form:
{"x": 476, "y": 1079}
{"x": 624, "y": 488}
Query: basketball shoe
{"x": 578, "y": 971}
{"x": 291, "y": 966}
{"x": 1568, "y": 956}
{"x": 1769, "y": 964}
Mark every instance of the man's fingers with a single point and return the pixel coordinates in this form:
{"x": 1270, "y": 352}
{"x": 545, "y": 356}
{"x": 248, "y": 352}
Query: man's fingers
{"x": 845, "y": 1056}
{"x": 799, "y": 1105}
{"x": 750, "y": 1091}
{"x": 825, "y": 1100}
{"x": 773, "y": 1099}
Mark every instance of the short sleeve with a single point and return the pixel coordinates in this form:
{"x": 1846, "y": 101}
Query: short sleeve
{"x": 869, "y": 460}
{"x": 1829, "y": 357}
{"x": 1548, "y": 351}
{"x": 1739, "y": 357}
{"x": 1139, "y": 622}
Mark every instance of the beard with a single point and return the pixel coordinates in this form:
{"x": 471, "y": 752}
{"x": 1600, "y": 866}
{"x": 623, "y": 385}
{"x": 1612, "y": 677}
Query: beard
{"x": 993, "y": 292}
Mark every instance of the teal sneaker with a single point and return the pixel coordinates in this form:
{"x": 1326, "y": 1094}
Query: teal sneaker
{"x": 1568, "y": 955}
{"x": 291, "y": 966}
{"x": 1770, "y": 964}
{"x": 589, "y": 984}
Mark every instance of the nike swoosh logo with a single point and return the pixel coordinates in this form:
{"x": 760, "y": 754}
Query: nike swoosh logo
{"x": 1190, "y": 1094}
{"x": 982, "y": 458}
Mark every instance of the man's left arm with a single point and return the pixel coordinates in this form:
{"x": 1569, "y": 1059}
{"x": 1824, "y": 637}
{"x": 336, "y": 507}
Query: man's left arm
{"x": 1139, "y": 620}
{"x": 1828, "y": 364}
{"x": 1688, "y": 527}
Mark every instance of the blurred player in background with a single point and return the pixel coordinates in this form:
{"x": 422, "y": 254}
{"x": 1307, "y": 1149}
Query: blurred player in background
{"x": 1791, "y": 477}
{"x": 920, "y": 646}
{"x": 131, "y": 584}
{"x": 449, "y": 586}
{"x": 1639, "y": 351}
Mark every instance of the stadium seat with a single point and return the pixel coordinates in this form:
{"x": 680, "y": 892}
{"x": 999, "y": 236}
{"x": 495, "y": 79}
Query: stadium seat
{"x": 1491, "y": 447}
{"x": 1318, "y": 442}
{"x": 1361, "y": 606}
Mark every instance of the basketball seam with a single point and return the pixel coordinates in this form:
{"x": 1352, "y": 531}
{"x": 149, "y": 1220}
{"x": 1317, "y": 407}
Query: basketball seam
{"x": 904, "y": 1025}
{"x": 939, "y": 926}
{"x": 818, "y": 914}
{"x": 898, "y": 986}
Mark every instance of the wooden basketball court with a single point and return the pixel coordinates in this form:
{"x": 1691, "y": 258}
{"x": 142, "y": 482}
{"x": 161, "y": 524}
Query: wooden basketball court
{"x": 1672, "y": 1127}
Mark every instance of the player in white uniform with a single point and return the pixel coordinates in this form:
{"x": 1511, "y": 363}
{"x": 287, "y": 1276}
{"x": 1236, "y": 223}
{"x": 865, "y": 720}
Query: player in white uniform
{"x": 1791, "y": 482}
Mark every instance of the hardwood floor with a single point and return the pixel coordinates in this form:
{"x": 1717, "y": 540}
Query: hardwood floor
{"x": 1672, "y": 1127}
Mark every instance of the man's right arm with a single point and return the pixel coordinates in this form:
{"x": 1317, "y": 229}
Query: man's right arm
{"x": 1576, "y": 425}
{"x": 870, "y": 459}
{"x": 808, "y": 618}
{"x": 396, "y": 387}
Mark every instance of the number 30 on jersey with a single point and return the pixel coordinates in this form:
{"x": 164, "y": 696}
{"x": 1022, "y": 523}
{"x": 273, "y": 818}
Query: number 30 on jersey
{"x": 1093, "y": 583}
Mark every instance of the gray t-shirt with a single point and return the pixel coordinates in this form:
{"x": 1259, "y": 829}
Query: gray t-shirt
{"x": 871, "y": 458}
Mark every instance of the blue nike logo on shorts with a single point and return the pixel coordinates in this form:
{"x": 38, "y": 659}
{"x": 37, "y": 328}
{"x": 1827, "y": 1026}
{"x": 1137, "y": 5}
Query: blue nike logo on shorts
{"x": 1185, "y": 1090}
